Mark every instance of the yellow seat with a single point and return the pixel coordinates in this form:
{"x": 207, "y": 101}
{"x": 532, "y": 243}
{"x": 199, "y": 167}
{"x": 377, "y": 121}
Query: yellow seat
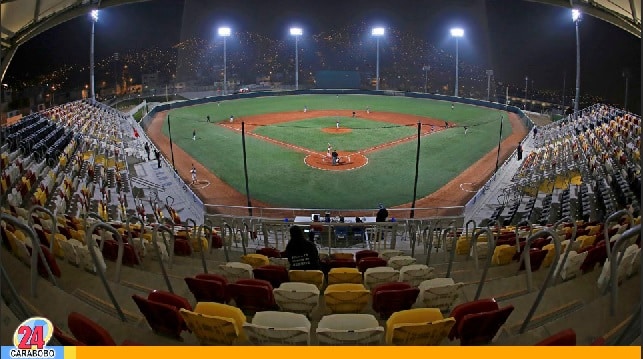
{"x": 255, "y": 260}
{"x": 593, "y": 230}
{"x": 420, "y": 326}
{"x": 551, "y": 252}
{"x": 344, "y": 275}
{"x": 585, "y": 241}
{"x": 503, "y": 254}
{"x": 215, "y": 323}
{"x": 346, "y": 298}
{"x": 462, "y": 245}
{"x": 57, "y": 238}
{"x": 315, "y": 277}
{"x": 342, "y": 256}
{"x": 195, "y": 244}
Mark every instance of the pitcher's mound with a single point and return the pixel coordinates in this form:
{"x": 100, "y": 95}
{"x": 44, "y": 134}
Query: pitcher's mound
{"x": 337, "y": 130}
{"x": 347, "y": 161}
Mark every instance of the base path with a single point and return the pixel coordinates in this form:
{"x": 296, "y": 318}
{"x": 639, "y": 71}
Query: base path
{"x": 451, "y": 194}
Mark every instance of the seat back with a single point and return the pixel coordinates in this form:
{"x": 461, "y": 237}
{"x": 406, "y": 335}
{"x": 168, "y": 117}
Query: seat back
{"x": 481, "y": 328}
{"x": 477, "y": 306}
{"x": 419, "y": 334}
{"x": 233, "y": 271}
{"x": 379, "y": 275}
{"x": 211, "y": 330}
{"x": 439, "y": 293}
{"x": 398, "y": 262}
{"x": 390, "y": 253}
{"x": 168, "y": 298}
{"x": 346, "y": 298}
{"x": 255, "y": 260}
{"x": 252, "y": 295}
{"x": 389, "y": 298}
{"x": 414, "y": 274}
{"x": 297, "y": 297}
{"x": 278, "y": 328}
{"x": 566, "y": 337}
{"x": 366, "y": 253}
{"x": 315, "y": 277}
{"x": 370, "y": 262}
{"x": 162, "y": 318}
{"x": 272, "y": 273}
{"x": 87, "y": 331}
{"x": 344, "y": 275}
{"x": 269, "y": 252}
{"x": 349, "y": 329}
{"x": 536, "y": 258}
{"x": 207, "y": 290}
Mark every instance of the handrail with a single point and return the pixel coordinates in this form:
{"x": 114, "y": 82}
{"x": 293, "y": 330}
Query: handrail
{"x": 54, "y": 222}
{"x": 613, "y": 281}
{"x": 491, "y": 244}
{"x": 615, "y": 216}
{"x": 100, "y": 219}
{"x": 128, "y": 221}
{"x": 466, "y": 227}
{"x": 91, "y": 246}
{"x": 158, "y": 252}
{"x": 559, "y": 266}
{"x": 531, "y": 227}
{"x": 453, "y": 245}
{"x": 35, "y": 252}
{"x": 188, "y": 231}
{"x": 230, "y": 232}
{"x": 198, "y": 235}
{"x": 473, "y": 242}
{"x": 170, "y": 246}
{"x": 550, "y": 274}
{"x": 209, "y": 223}
{"x": 119, "y": 239}
{"x": 432, "y": 226}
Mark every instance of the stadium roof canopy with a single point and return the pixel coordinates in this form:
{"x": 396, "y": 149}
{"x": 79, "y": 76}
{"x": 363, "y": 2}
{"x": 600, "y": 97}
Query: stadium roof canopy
{"x": 21, "y": 20}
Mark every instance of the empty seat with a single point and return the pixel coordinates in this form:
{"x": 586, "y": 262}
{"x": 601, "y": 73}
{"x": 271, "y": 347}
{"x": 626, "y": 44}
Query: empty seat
{"x": 344, "y": 275}
{"x": 252, "y": 295}
{"x": 536, "y": 258}
{"x": 278, "y": 328}
{"x": 234, "y": 271}
{"x": 255, "y": 260}
{"x": 269, "y": 252}
{"x": 272, "y": 273}
{"x": 415, "y": 274}
{"x": 342, "y": 256}
{"x": 479, "y": 324}
{"x": 390, "y": 253}
{"x": 477, "y": 306}
{"x": 349, "y": 329}
{"x": 398, "y": 262}
{"x": 87, "y": 331}
{"x": 215, "y": 323}
{"x": 370, "y": 262}
{"x": 366, "y": 253}
{"x": 379, "y": 275}
{"x": 346, "y": 298}
{"x": 503, "y": 254}
{"x": 315, "y": 277}
{"x": 419, "y": 326}
{"x": 566, "y": 337}
{"x": 161, "y": 310}
{"x": 297, "y": 297}
{"x": 389, "y": 298}
{"x": 439, "y": 293}
{"x": 572, "y": 266}
{"x": 208, "y": 288}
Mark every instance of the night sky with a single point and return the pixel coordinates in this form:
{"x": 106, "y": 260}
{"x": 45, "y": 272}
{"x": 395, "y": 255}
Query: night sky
{"x": 515, "y": 38}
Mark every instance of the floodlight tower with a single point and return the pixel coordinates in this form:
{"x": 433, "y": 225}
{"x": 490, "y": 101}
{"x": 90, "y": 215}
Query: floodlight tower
{"x": 576, "y": 17}
{"x": 457, "y": 33}
{"x": 296, "y": 32}
{"x": 225, "y": 33}
{"x": 377, "y": 32}
{"x": 94, "y": 19}
{"x": 489, "y": 74}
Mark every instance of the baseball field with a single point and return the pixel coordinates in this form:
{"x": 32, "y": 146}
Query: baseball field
{"x": 376, "y": 138}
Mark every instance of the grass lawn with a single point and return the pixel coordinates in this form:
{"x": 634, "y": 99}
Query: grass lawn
{"x": 279, "y": 176}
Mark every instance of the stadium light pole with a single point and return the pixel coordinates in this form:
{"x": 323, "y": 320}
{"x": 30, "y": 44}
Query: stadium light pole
{"x": 457, "y": 33}
{"x": 526, "y": 89}
{"x": 426, "y": 69}
{"x": 489, "y": 74}
{"x": 224, "y": 32}
{"x": 377, "y": 32}
{"x": 94, "y": 19}
{"x": 296, "y": 32}
{"x": 626, "y": 74}
{"x": 576, "y": 17}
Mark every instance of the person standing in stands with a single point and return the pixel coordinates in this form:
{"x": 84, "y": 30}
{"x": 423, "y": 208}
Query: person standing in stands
{"x": 519, "y": 151}
{"x": 147, "y": 150}
{"x": 301, "y": 254}
{"x": 535, "y": 131}
{"x": 382, "y": 214}
{"x": 158, "y": 157}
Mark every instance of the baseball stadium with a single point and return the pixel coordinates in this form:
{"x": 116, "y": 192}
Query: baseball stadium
{"x": 316, "y": 206}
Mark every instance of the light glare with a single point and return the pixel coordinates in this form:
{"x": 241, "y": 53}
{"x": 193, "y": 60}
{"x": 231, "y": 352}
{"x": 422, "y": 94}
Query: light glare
{"x": 296, "y": 31}
{"x": 457, "y": 32}
{"x": 377, "y": 31}
{"x": 575, "y": 14}
{"x": 224, "y": 31}
{"x": 94, "y": 15}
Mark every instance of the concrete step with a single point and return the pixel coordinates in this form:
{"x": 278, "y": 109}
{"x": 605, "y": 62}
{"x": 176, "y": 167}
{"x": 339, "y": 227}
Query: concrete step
{"x": 8, "y": 324}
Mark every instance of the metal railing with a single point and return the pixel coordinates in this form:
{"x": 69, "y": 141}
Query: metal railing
{"x": 614, "y": 262}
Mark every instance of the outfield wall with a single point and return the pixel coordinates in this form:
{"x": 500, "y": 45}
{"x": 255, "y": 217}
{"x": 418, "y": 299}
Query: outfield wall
{"x": 433, "y": 211}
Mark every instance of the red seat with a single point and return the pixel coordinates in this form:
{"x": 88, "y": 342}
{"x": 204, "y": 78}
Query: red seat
{"x": 566, "y": 337}
{"x": 481, "y": 328}
{"x": 161, "y": 310}
{"x": 273, "y": 274}
{"x": 342, "y": 263}
{"x": 370, "y": 262}
{"x": 389, "y": 298}
{"x": 252, "y": 295}
{"x": 536, "y": 257}
{"x": 595, "y": 255}
{"x": 42, "y": 235}
{"x": 217, "y": 242}
{"x": 208, "y": 288}
{"x": 269, "y": 252}
{"x": 66, "y": 340}
{"x": 87, "y": 331}
{"x": 477, "y": 306}
{"x": 51, "y": 260}
{"x": 182, "y": 247}
{"x": 366, "y": 253}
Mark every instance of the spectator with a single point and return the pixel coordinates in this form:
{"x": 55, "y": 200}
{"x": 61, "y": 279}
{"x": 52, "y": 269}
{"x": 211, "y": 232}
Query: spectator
{"x": 382, "y": 214}
{"x": 301, "y": 254}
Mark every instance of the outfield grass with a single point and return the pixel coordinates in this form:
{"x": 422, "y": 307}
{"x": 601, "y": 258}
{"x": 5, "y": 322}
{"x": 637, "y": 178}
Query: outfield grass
{"x": 308, "y": 134}
{"x": 278, "y": 175}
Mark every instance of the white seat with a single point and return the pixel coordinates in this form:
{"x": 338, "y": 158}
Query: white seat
{"x": 349, "y": 329}
{"x": 415, "y": 274}
{"x": 379, "y": 275}
{"x": 139, "y": 245}
{"x": 297, "y": 297}
{"x": 622, "y": 269}
{"x": 439, "y": 293}
{"x": 571, "y": 268}
{"x": 398, "y": 262}
{"x": 390, "y": 253}
{"x": 69, "y": 251}
{"x": 162, "y": 249}
{"x": 280, "y": 262}
{"x": 636, "y": 263}
{"x": 278, "y": 328}
{"x": 234, "y": 271}
{"x": 86, "y": 258}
